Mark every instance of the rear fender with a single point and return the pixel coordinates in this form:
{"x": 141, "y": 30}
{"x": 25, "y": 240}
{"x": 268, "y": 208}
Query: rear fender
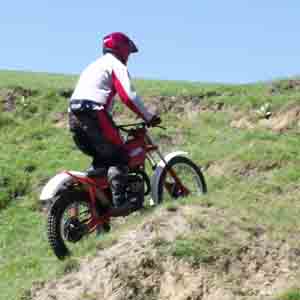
{"x": 58, "y": 182}
{"x": 158, "y": 172}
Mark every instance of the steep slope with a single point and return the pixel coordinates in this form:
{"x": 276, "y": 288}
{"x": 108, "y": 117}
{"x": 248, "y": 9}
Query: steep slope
{"x": 173, "y": 256}
{"x": 241, "y": 241}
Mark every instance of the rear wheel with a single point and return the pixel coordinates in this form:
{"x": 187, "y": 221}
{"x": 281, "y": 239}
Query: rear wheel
{"x": 190, "y": 176}
{"x": 67, "y": 221}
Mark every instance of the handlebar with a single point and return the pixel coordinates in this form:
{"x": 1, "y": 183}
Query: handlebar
{"x": 142, "y": 124}
{"x": 136, "y": 125}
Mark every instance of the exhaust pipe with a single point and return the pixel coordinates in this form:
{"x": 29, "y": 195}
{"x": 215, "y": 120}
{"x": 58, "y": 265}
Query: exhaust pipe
{"x": 122, "y": 211}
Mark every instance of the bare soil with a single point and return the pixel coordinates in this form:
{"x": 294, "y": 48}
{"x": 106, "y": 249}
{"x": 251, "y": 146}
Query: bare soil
{"x": 135, "y": 268}
{"x": 282, "y": 121}
{"x": 9, "y": 96}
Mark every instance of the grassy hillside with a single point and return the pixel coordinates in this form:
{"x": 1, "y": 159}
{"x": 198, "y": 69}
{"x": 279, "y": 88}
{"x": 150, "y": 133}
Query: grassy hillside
{"x": 246, "y": 137}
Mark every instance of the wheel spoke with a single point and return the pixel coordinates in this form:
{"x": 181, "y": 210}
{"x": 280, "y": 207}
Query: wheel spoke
{"x": 73, "y": 223}
{"x": 188, "y": 180}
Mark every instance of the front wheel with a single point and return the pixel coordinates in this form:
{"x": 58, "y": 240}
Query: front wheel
{"x": 190, "y": 180}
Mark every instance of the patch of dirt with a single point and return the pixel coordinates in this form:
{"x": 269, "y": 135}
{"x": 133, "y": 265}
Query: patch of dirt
{"x": 185, "y": 105}
{"x": 174, "y": 104}
{"x": 253, "y": 169}
{"x": 284, "y": 120}
{"x": 9, "y": 96}
{"x": 282, "y": 86}
{"x": 218, "y": 168}
{"x": 239, "y": 168}
{"x": 188, "y": 106}
{"x": 134, "y": 268}
{"x": 242, "y": 123}
{"x": 60, "y": 119}
{"x": 280, "y": 122}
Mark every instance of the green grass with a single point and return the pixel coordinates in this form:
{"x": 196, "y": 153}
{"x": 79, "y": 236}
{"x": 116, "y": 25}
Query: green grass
{"x": 201, "y": 248}
{"x": 36, "y": 81}
{"x": 257, "y": 178}
{"x": 293, "y": 294}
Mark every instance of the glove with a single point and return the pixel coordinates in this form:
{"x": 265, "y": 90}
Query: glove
{"x": 156, "y": 120}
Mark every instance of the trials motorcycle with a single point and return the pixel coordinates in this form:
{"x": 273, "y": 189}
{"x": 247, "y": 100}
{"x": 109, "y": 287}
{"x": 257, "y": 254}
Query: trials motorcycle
{"x": 81, "y": 202}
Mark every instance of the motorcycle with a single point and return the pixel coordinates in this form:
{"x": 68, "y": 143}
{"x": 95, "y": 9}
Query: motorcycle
{"x": 81, "y": 202}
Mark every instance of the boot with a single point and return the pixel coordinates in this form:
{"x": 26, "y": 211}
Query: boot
{"x": 102, "y": 229}
{"x": 118, "y": 177}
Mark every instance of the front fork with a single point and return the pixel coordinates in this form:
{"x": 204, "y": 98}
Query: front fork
{"x": 183, "y": 190}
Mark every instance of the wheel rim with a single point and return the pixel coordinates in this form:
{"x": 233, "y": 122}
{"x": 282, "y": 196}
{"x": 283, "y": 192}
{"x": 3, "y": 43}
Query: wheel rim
{"x": 189, "y": 178}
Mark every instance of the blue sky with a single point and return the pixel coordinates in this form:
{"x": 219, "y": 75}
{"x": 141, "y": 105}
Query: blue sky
{"x": 200, "y": 40}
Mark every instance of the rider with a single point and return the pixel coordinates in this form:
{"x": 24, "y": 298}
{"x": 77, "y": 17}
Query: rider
{"x": 91, "y": 124}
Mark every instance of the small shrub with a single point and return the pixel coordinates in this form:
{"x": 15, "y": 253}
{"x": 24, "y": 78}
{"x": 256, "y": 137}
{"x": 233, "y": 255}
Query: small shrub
{"x": 196, "y": 250}
{"x": 6, "y": 119}
{"x": 172, "y": 207}
{"x": 88, "y": 296}
{"x": 159, "y": 242}
{"x": 14, "y": 184}
{"x": 26, "y": 295}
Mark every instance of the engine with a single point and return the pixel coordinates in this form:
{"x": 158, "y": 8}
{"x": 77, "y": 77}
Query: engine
{"x": 135, "y": 190}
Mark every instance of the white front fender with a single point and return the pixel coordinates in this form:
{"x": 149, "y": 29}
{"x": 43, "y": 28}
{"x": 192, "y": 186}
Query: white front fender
{"x": 56, "y": 183}
{"x": 157, "y": 174}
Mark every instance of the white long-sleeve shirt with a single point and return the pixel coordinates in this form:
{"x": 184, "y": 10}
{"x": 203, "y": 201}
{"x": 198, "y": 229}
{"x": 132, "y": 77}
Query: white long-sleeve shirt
{"x": 105, "y": 77}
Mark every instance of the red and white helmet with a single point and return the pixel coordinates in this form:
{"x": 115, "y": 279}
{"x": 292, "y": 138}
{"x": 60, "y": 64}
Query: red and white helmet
{"x": 120, "y": 45}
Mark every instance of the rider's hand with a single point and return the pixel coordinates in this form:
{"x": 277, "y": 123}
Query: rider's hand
{"x": 156, "y": 120}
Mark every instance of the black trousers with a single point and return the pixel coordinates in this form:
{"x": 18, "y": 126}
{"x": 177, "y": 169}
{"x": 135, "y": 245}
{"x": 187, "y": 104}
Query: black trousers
{"x": 87, "y": 127}
{"x": 89, "y": 138}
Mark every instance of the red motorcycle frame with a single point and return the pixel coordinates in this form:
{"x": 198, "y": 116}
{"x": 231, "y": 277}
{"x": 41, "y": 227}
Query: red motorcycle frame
{"x": 139, "y": 148}
{"x": 67, "y": 191}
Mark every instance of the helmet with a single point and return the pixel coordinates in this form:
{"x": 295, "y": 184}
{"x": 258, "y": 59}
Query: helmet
{"x": 120, "y": 45}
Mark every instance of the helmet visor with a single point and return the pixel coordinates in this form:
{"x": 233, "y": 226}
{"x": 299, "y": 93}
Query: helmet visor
{"x": 132, "y": 47}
